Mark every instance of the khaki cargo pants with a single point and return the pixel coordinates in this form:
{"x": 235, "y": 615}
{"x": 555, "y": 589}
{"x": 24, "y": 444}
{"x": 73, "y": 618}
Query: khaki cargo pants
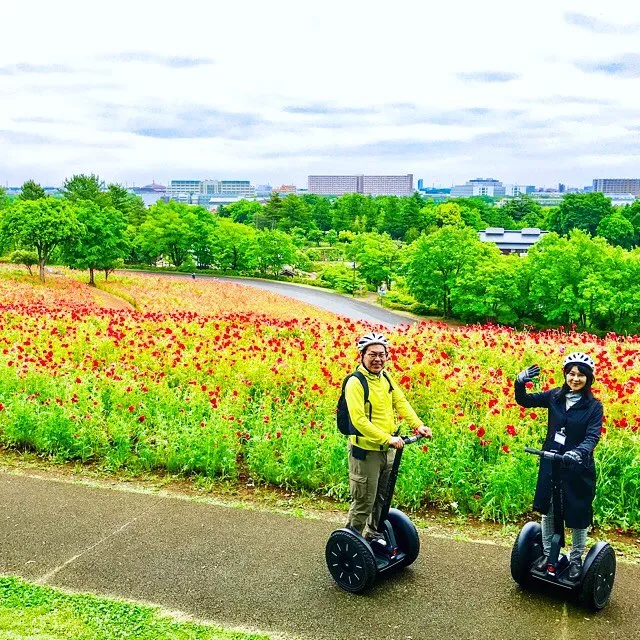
{"x": 368, "y": 482}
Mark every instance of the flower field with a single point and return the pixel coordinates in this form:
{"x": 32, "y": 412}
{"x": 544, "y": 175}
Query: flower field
{"x": 219, "y": 379}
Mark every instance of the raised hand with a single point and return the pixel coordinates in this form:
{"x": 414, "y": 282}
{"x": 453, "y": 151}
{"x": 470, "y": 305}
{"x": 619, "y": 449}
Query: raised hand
{"x": 529, "y": 374}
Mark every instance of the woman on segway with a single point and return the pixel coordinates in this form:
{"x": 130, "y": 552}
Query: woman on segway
{"x": 573, "y": 430}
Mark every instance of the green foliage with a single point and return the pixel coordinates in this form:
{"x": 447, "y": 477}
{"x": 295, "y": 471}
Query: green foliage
{"x": 521, "y": 207}
{"x": 31, "y": 191}
{"x": 42, "y": 225}
{"x": 270, "y": 250}
{"x": 435, "y": 262}
{"x": 175, "y": 229}
{"x": 582, "y": 211}
{"x": 617, "y": 230}
{"x": 342, "y": 278}
{"x": 86, "y": 187}
{"x": 376, "y": 257}
{"x": 103, "y": 243}
{"x": 27, "y": 258}
{"x": 230, "y": 245}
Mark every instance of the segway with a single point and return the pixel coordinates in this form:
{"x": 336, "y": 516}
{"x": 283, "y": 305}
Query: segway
{"x": 593, "y": 587}
{"x": 355, "y": 562}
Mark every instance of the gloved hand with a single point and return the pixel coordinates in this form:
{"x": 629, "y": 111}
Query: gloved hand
{"x": 572, "y": 459}
{"x": 528, "y": 374}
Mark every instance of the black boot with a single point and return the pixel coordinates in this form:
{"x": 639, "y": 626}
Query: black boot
{"x": 575, "y": 570}
{"x": 541, "y": 563}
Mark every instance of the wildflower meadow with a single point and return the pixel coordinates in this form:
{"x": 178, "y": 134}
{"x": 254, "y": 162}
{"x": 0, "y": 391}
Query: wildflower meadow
{"x": 220, "y": 380}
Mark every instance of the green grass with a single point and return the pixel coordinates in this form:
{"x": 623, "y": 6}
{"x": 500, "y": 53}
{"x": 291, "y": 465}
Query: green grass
{"x": 43, "y": 613}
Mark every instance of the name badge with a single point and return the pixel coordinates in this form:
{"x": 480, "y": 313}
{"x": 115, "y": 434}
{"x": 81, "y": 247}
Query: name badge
{"x": 560, "y": 438}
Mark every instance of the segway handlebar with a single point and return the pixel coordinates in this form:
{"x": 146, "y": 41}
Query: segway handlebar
{"x": 549, "y": 455}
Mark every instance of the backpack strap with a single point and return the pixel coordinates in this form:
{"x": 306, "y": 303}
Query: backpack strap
{"x": 388, "y": 379}
{"x": 365, "y": 387}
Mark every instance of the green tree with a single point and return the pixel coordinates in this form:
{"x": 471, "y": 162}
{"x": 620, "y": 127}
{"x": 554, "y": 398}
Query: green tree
{"x": 242, "y": 211}
{"x": 434, "y": 263}
{"x": 270, "y": 216}
{"x": 294, "y": 212}
{"x": 320, "y": 208}
{"x": 230, "y": 245}
{"x": 102, "y": 245}
{"x": 175, "y": 229}
{"x": 376, "y": 256}
{"x": 84, "y": 187}
{"x": 31, "y": 191}
{"x": 332, "y": 237}
{"x": 27, "y": 258}
{"x": 315, "y": 235}
{"x": 489, "y": 290}
{"x": 617, "y": 230}
{"x": 582, "y": 211}
{"x": 42, "y": 225}
{"x": 521, "y": 206}
{"x": 270, "y": 250}
{"x": 4, "y": 198}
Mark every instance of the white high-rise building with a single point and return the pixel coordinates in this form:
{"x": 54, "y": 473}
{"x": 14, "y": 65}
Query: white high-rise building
{"x": 368, "y": 185}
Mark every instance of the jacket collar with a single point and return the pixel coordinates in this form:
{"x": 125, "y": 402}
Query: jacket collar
{"x": 368, "y": 374}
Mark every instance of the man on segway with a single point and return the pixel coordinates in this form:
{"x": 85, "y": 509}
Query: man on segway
{"x": 374, "y": 443}
{"x": 573, "y": 430}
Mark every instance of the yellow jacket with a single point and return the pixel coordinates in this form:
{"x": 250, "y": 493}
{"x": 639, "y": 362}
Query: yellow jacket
{"x": 377, "y": 432}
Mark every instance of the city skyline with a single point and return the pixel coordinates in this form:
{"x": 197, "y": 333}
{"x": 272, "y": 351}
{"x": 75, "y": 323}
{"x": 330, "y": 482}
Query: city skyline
{"x": 531, "y": 95}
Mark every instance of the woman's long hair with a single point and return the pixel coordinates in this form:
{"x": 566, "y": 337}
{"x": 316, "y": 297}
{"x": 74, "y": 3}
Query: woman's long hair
{"x": 586, "y": 390}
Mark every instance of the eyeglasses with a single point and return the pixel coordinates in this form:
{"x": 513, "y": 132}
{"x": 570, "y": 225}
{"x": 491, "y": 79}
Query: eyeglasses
{"x": 376, "y": 356}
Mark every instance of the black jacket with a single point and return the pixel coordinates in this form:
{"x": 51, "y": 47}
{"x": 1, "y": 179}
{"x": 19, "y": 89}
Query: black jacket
{"x": 582, "y": 425}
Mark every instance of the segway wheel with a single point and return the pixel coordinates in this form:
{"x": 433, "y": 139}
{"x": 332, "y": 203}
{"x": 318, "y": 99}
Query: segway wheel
{"x": 598, "y": 581}
{"x": 350, "y": 561}
{"x": 406, "y": 536}
{"x": 526, "y": 548}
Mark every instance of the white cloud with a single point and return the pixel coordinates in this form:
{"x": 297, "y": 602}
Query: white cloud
{"x": 446, "y": 91}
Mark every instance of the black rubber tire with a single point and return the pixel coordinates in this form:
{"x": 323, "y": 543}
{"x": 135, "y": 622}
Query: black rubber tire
{"x": 406, "y": 536}
{"x": 598, "y": 581}
{"x": 526, "y": 548}
{"x": 350, "y": 561}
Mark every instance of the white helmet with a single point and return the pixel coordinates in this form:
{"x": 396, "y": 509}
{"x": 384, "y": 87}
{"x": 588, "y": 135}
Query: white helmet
{"x": 579, "y": 358}
{"x": 372, "y": 338}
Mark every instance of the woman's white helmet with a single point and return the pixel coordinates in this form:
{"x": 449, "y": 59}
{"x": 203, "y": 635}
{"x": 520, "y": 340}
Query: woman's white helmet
{"x": 579, "y": 358}
{"x": 372, "y": 338}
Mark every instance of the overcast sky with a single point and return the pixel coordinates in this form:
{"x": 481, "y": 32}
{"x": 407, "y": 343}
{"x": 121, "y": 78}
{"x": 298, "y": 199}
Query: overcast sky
{"x": 535, "y": 92}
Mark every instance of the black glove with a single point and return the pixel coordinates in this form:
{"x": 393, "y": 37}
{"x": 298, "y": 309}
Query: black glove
{"x": 529, "y": 374}
{"x": 572, "y": 459}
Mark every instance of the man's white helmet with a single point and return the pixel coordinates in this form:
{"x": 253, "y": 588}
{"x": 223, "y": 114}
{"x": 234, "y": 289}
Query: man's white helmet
{"x": 579, "y": 358}
{"x": 372, "y": 338}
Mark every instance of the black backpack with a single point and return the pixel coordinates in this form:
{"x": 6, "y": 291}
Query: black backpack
{"x": 343, "y": 420}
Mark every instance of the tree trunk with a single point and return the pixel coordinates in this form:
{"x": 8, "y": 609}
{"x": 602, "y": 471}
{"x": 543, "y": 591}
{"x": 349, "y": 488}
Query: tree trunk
{"x": 92, "y": 282}
{"x": 41, "y": 270}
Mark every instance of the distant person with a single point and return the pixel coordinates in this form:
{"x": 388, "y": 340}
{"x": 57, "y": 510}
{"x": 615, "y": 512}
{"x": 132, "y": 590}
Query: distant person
{"x": 573, "y": 429}
{"x": 382, "y": 290}
{"x": 193, "y": 275}
{"x": 372, "y": 450}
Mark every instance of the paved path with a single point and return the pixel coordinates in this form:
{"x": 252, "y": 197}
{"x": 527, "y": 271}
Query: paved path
{"x": 254, "y": 569}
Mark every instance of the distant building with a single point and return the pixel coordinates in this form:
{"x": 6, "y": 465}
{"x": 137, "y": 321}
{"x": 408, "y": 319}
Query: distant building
{"x": 285, "y": 189}
{"x": 196, "y": 191}
{"x": 263, "y": 190}
{"x": 617, "y": 186}
{"x": 367, "y": 185}
{"x": 518, "y": 189}
{"x": 479, "y": 187}
{"x": 511, "y": 241}
{"x": 561, "y": 187}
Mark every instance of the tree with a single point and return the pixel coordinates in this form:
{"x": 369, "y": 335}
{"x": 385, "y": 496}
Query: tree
{"x": 270, "y": 216}
{"x": 4, "y": 199}
{"x": 42, "y": 225}
{"x": 617, "y": 230}
{"x": 488, "y": 290}
{"x": 242, "y": 211}
{"x": 521, "y": 206}
{"x": 230, "y": 245}
{"x": 83, "y": 187}
{"x": 434, "y": 263}
{"x": 582, "y": 211}
{"x": 271, "y": 250}
{"x": 102, "y": 245}
{"x": 294, "y": 212}
{"x": 27, "y": 258}
{"x": 376, "y": 256}
{"x": 31, "y": 191}
{"x": 315, "y": 235}
{"x": 175, "y": 229}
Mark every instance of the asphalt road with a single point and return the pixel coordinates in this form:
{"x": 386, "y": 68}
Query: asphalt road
{"x": 248, "y": 568}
